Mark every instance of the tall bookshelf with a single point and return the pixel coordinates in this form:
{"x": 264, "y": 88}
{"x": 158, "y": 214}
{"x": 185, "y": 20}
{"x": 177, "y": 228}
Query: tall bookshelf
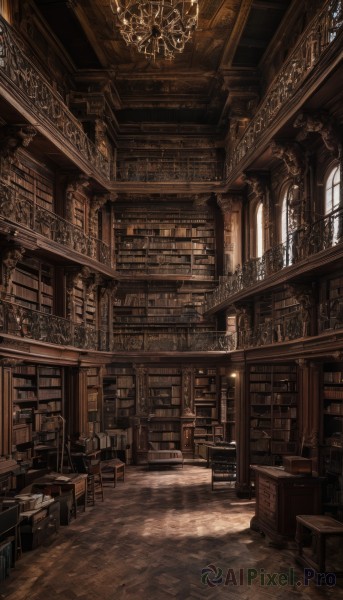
{"x": 332, "y": 437}
{"x": 228, "y": 406}
{"x": 154, "y": 241}
{"x": 273, "y": 393}
{"x": 32, "y": 285}
{"x": 119, "y": 397}
{"x": 164, "y": 387}
{"x": 38, "y": 392}
{"x": 205, "y": 404}
{"x": 93, "y": 400}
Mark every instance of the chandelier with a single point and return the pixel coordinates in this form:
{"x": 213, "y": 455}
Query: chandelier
{"x": 158, "y": 28}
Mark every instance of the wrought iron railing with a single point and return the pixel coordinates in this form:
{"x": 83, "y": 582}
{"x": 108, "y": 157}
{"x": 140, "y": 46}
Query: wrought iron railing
{"x": 28, "y": 323}
{"x": 21, "y": 211}
{"x": 21, "y": 74}
{"x": 304, "y": 242}
{"x": 273, "y": 331}
{"x": 322, "y": 32}
{"x": 161, "y": 169}
{"x": 174, "y": 342}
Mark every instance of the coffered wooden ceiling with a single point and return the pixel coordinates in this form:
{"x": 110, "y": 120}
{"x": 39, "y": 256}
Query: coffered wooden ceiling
{"x": 193, "y": 89}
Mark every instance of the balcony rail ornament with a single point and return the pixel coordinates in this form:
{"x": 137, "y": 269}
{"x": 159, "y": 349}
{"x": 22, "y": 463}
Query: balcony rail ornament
{"x": 302, "y": 243}
{"x": 314, "y": 42}
{"x": 23, "y": 77}
{"x": 27, "y": 323}
{"x": 21, "y": 211}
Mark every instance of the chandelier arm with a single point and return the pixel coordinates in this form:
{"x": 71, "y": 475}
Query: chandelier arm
{"x": 156, "y": 28}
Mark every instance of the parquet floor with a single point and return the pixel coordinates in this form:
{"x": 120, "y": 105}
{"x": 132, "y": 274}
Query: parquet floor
{"x": 162, "y": 534}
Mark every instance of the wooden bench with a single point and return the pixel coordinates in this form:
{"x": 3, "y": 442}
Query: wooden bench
{"x": 165, "y": 458}
{"x": 113, "y": 470}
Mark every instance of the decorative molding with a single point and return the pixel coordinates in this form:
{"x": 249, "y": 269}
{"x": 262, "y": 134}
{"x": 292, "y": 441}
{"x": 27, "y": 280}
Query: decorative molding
{"x": 75, "y": 185}
{"x": 322, "y": 32}
{"x": 23, "y": 78}
{"x": 10, "y": 258}
{"x": 292, "y": 155}
{"x": 12, "y": 138}
{"x": 96, "y": 203}
{"x": 257, "y": 186}
{"x": 323, "y": 124}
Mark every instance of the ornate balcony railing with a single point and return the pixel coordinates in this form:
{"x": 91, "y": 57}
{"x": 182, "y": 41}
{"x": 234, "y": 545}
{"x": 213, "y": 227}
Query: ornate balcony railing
{"x": 273, "y": 331}
{"x": 322, "y": 32}
{"x": 304, "y": 242}
{"x": 27, "y": 323}
{"x": 19, "y": 72}
{"x": 21, "y": 211}
{"x": 173, "y": 342}
{"x": 151, "y": 169}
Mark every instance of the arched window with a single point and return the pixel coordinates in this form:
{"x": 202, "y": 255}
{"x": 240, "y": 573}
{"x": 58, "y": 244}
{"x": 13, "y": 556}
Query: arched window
{"x": 259, "y": 230}
{"x": 332, "y": 201}
{"x": 332, "y": 188}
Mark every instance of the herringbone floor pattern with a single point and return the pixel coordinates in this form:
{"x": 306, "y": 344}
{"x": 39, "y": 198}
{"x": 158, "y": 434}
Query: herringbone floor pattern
{"x": 162, "y": 534}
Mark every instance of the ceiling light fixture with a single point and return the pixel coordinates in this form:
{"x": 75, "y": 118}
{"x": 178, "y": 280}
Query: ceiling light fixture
{"x": 158, "y": 28}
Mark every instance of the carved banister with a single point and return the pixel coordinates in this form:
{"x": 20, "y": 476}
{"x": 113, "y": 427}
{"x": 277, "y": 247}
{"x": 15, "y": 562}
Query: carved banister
{"x": 22, "y": 76}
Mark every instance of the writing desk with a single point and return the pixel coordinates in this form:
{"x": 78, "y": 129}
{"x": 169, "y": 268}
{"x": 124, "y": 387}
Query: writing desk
{"x": 77, "y": 482}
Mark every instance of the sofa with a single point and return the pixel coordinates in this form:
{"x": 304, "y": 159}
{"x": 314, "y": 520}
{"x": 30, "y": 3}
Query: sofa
{"x": 165, "y": 458}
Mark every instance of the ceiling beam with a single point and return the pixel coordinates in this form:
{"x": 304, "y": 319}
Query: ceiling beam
{"x": 235, "y": 36}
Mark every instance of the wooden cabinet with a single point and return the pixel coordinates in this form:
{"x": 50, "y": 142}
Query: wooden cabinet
{"x": 281, "y": 496}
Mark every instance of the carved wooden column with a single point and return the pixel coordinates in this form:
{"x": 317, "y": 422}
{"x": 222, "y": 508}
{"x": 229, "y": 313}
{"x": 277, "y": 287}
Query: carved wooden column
{"x": 141, "y": 423}
{"x": 79, "y": 403}
{"x": 231, "y": 207}
{"x": 242, "y": 431}
{"x": 6, "y": 406}
{"x": 187, "y": 411}
{"x": 75, "y": 186}
{"x": 10, "y": 257}
{"x": 108, "y": 291}
{"x": 309, "y": 410}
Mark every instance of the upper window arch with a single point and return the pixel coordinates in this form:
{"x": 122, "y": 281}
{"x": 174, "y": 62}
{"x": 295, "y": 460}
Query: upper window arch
{"x": 332, "y": 189}
{"x": 259, "y": 230}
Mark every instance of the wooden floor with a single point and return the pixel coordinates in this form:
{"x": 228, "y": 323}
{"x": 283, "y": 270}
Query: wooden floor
{"x": 161, "y": 534}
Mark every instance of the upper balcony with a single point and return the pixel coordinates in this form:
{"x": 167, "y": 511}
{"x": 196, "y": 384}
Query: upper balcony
{"x": 24, "y": 87}
{"x": 25, "y": 324}
{"x": 303, "y": 249}
{"x": 320, "y": 44}
{"x": 17, "y": 210}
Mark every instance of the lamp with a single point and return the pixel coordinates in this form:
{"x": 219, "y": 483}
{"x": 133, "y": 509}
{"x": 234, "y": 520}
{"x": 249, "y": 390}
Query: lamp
{"x": 158, "y": 28}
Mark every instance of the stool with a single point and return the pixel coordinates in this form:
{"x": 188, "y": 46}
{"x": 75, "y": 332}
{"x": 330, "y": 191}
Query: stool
{"x": 112, "y": 470}
{"x": 313, "y": 530}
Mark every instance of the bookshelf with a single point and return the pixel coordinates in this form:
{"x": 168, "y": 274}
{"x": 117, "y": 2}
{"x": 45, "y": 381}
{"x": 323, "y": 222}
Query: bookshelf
{"x": 332, "y": 435}
{"x": 175, "y": 241}
{"x": 119, "y": 397}
{"x": 205, "y": 404}
{"x": 32, "y": 285}
{"x": 228, "y": 406}
{"x": 164, "y": 388}
{"x": 93, "y": 400}
{"x": 158, "y": 303}
{"x": 273, "y": 413}
{"x": 34, "y": 182}
{"x": 38, "y": 392}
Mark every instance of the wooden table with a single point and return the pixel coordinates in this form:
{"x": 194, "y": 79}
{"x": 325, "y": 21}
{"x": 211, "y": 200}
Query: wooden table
{"x": 77, "y": 482}
{"x": 320, "y": 527}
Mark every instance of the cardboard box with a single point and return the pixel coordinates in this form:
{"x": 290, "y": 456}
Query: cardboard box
{"x": 297, "y": 465}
